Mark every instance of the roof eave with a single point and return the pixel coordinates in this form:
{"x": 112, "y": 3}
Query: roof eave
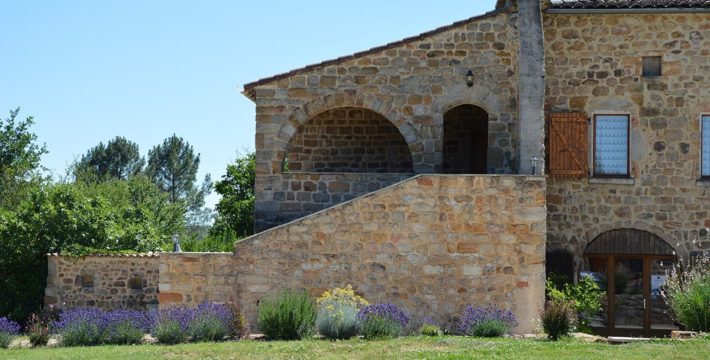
{"x": 627, "y": 11}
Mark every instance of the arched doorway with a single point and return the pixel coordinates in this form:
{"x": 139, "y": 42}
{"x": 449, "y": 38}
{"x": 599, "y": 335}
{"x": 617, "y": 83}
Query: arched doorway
{"x": 630, "y": 266}
{"x": 465, "y": 140}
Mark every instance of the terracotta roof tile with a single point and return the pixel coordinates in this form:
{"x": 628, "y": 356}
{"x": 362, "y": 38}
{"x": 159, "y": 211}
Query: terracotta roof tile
{"x": 142, "y": 255}
{"x": 629, "y": 4}
{"x": 250, "y": 86}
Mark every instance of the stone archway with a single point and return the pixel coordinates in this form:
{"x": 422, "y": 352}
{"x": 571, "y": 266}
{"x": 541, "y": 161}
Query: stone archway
{"x": 349, "y": 140}
{"x": 465, "y": 145}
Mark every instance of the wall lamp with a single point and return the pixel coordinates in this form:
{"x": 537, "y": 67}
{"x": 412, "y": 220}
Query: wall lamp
{"x": 469, "y": 78}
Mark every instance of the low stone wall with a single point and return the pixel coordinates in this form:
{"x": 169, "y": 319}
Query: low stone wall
{"x": 191, "y": 278}
{"x": 106, "y": 282}
{"x": 432, "y": 244}
{"x": 298, "y": 194}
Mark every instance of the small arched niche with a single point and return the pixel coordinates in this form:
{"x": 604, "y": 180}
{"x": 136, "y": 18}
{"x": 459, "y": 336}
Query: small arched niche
{"x": 348, "y": 140}
{"x": 465, "y": 140}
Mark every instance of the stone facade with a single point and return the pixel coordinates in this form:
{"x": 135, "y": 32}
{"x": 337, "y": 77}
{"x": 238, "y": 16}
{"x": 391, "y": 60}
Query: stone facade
{"x": 432, "y": 244}
{"x": 106, "y": 282}
{"x": 304, "y": 193}
{"x": 411, "y": 84}
{"x": 192, "y": 278}
{"x": 593, "y": 65}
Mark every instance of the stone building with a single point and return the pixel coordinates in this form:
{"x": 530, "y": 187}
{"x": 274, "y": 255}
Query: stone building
{"x": 445, "y": 169}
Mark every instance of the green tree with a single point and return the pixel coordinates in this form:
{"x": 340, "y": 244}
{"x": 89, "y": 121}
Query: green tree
{"x": 19, "y": 159}
{"x": 78, "y": 218}
{"x": 118, "y": 159}
{"x": 173, "y": 166}
{"x": 235, "y": 210}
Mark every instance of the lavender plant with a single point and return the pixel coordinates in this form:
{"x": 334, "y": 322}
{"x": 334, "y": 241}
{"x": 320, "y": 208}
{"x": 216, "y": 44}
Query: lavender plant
{"x": 207, "y": 321}
{"x": 486, "y": 321}
{"x": 380, "y": 321}
{"x": 91, "y": 326}
{"x": 8, "y": 330}
{"x": 687, "y": 292}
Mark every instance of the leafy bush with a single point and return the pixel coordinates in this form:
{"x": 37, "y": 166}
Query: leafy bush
{"x": 207, "y": 328}
{"x": 337, "y": 320}
{"x": 8, "y": 330}
{"x": 240, "y": 326}
{"x": 344, "y": 295}
{"x": 380, "y": 321}
{"x": 338, "y": 313}
{"x": 381, "y": 327}
{"x": 90, "y": 326}
{"x": 558, "y": 319}
{"x": 38, "y": 330}
{"x": 83, "y": 333}
{"x": 291, "y": 316}
{"x": 585, "y": 296}
{"x": 123, "y": 333}
{"x": 207, "y": 321}
{"x": 687, "y": 293}
{"x": 169, "y": 332}
{"x": 486, "y": 321}
{"x": 430, "y": 330}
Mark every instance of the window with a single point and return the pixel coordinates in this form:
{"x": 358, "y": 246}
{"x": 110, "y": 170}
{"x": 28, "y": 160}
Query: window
{"x": 135, "y": 283}
{"x": 652, "y": 66}
{"x": 705, "y": 156}
{"x": 611, "y": 145}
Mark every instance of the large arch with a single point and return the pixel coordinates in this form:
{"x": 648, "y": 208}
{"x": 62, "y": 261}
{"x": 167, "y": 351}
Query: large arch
{"x": 349, "y": 140}
{"x": 382, "y": 106}
{"x": 629, "y": 242}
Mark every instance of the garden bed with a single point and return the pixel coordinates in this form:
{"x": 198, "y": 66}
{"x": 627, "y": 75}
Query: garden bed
{"x": 443, "y": 347}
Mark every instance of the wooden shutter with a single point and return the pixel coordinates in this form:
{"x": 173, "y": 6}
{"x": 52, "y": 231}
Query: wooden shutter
{"x": 568, "y": 145}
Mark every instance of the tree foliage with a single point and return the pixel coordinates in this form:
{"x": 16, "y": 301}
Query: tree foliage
{"x": 119, "y": 159}
{"x": 19, "y": 158}
{"x": 235, "y": 210}
{"x": 114, "y": 216}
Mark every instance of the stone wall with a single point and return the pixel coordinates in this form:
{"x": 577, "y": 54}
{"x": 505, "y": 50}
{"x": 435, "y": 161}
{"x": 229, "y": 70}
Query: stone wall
{"x": 305, "y": 193}
{"x": 192, "y": 278}
{"x": 593, "y": 64}
{"x": 349, "y": 140}
{"x": 411, "y": 83}
{"x": 432, "y": 244}
{"x": 107, "y": 282}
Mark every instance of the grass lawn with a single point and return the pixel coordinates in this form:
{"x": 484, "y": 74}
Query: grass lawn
{"x": 404, "y": 348}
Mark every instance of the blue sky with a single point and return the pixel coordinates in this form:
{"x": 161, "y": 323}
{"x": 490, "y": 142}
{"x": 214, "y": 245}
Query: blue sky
{"x": 91, "y": 70}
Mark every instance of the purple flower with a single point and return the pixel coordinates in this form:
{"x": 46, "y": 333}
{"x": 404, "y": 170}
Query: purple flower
{"x": 184, "y": 316}
{"x": 104, "y": 320}
{"x": 387, "y": 310}
{"x": 472, "y": 317}
{"x": 9, "y": 326}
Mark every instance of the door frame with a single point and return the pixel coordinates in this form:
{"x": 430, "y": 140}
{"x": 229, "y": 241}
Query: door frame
{"x": 611, "y": 293}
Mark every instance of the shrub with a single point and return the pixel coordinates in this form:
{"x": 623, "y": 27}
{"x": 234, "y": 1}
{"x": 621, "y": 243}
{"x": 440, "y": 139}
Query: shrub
{"x": 486, "y": 321}
{"x": 82, "y": 333}
{"x": 38, "y": 330}
{"x": 8, "y": 330}
{"x": 558, "y": 319}
{"x": 207, "y": 321}
{"x": 240, "y": 326}
{"x": 585, "y": 297}
{"x": 344, "y": 295}
{"x": 430, "y": 330}
{"x": 123, "y": 333}
{"x": 381, "y": 321}
{"x": 169, "y": 332}
{"x": 291, "y": 316}
{"x": 380, "y": 327}
{"x": 337, "y": 320}
{"x": 90, "y": 326}
{"x": 338, "y": 313}
{"x": 687, "y": 292}
{"x": 207, "y": 328}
